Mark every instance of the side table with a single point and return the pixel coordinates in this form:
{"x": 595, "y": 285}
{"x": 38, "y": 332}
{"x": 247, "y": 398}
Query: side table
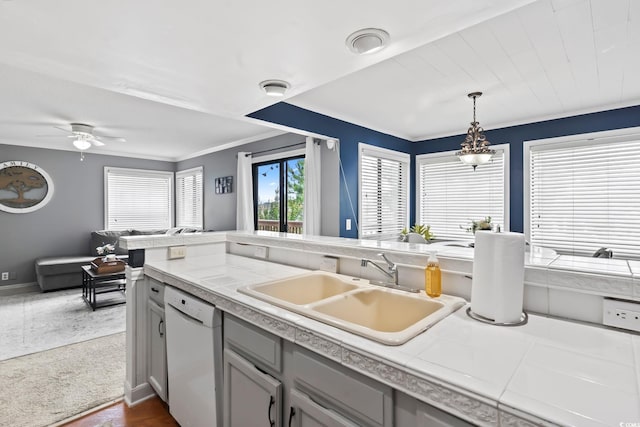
{"x": 94, "y": 284}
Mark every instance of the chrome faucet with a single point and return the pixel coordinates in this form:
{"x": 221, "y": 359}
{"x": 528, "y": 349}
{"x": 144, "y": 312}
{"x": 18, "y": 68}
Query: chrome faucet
{"x": 391, "y": 271}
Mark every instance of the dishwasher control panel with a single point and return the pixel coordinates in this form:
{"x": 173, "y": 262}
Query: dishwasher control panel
{"x": 190, "y": 306}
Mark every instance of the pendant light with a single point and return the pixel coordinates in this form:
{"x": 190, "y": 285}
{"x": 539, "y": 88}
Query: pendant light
{"x": 475, "y": 148}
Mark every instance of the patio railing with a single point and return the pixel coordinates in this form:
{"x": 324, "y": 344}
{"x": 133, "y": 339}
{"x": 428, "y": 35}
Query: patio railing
{"x": 274, "y": 225}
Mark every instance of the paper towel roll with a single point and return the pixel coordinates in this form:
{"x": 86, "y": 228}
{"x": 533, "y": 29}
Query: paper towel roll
{"x": 498, "y": 276}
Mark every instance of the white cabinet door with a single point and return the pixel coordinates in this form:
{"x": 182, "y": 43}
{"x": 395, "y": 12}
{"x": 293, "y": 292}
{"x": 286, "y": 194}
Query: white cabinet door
{"x": 304, "y": 412}
{"x": 157, "y": 351}
{"x": 251, "y": 397}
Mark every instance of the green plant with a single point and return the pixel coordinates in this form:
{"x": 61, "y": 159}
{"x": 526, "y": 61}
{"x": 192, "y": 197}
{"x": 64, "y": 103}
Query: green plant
{"x": 423, "y": 230}
{"x": 481, "y": 224}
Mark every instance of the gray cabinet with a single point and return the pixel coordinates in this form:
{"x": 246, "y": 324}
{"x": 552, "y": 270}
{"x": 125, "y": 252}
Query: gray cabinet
{"x": 156, "y": 343}
{"x": 342, "y": 390}
{"x": 429, "y": 416}
{"x": 270, "y": 382}
{"x": 304, "y": 412}
{"x": 411, "y": 412}
{"x": 251, "y": 397}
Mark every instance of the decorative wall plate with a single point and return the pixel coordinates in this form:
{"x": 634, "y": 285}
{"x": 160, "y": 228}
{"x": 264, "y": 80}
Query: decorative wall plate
{"x": 24, "y": 187}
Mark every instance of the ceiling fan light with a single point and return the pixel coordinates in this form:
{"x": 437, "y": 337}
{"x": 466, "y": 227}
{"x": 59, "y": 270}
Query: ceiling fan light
{"x": 81, "y": 144}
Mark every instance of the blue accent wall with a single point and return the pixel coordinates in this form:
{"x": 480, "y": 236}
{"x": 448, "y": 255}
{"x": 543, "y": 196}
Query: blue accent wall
{"x": 349, "y": 135}
{"x": 516, "y": 135}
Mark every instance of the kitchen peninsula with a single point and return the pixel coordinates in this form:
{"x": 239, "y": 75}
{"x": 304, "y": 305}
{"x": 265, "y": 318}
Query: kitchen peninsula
{"x": 548, "y": 372}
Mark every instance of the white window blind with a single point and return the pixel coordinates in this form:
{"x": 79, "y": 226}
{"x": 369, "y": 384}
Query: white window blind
{"x": 451, "y": 194}
{"x": 189, "y": 198}
{"x": 584, "y": 195}
{"x": 140, "y": 199}
{"x": 384, "y": 181}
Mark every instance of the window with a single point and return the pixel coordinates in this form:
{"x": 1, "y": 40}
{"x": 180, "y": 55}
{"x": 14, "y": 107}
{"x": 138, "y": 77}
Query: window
{"x": 135, "y": 198}
{"x": 583, "y": 193}
{"x": 452, "y": 194}
{"x": 269, "y": 178}
{"x": 384, "y": 192}
{"x": 189, "y": 198}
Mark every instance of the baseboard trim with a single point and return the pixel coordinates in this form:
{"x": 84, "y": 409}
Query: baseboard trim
{"x": 19, "y": 288}
{"x": 138, "y": 394}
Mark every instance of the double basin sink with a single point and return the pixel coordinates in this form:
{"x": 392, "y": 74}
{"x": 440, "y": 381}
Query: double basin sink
{"x": 385, "y": 315}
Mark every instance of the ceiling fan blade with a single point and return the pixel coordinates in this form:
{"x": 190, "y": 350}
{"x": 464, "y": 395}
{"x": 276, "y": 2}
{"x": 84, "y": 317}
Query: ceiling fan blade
{"x": 97, "y": 142}
{"x": 49, "y": 136}
{"x": 62, "y": 129}
{"x": 113, "y": 138}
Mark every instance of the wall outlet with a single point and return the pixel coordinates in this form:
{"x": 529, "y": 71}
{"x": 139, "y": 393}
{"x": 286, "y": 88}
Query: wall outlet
{"x": 5, "y": 275}
{"x": 329, "y": 263}
{"x": 621, "y": 314}
{"x": 176, "y": 252}
{"x": 347, "y": 224}
{"x": 261, "y": 252}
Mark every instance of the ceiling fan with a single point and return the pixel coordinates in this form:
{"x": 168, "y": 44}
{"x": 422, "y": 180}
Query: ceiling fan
{"x": 83, "y": 136}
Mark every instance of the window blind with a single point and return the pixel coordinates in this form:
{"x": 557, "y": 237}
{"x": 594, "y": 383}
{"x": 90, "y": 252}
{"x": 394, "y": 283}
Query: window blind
{"x": 189, "y": 203}
{"x": 451, "y": 194}
{"x": 586, "y": 196}
{"x": 140, "y": 199}
{"x": 384, "y": 178}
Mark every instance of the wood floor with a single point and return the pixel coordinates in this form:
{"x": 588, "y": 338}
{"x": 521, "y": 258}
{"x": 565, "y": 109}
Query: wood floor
{"x": 150, "y": 413}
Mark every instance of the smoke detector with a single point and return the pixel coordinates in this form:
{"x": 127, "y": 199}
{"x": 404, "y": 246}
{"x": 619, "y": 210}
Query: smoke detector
{"x": 368, "y": 40}
{"x": 274, "y": 87}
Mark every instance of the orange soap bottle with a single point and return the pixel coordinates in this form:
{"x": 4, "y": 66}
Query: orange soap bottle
{"x": 433, "y": 277}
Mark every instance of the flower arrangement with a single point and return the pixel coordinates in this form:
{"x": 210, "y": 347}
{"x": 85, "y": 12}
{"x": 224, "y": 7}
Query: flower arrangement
{"x": 423, "y": 230}
{"x": 481, "y": 224}
{"x": 106, "y": 249}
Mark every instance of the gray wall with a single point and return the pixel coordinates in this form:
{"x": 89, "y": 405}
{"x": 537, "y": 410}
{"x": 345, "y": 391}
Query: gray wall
{"x": 220, "y": 209}
{"x": 63, "y": 226}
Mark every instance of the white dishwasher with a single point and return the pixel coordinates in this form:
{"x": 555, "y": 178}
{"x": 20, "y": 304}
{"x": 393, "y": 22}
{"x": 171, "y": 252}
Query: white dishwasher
{"x": 192, "y": 362}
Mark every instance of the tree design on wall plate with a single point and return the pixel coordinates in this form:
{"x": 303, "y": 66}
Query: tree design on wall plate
{"x": 24, "y": 187}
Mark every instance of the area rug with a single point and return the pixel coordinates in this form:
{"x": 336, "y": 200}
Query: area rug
{"x": 42, "y": 388}
{"x": 38, "y": 321}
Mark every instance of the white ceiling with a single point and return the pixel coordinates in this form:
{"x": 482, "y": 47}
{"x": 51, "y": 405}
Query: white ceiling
{"x": 549, "y": 59}
{"x": 176, "y": 79}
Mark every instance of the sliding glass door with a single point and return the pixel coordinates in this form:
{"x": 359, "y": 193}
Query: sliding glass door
{"x": 272, "y": 210}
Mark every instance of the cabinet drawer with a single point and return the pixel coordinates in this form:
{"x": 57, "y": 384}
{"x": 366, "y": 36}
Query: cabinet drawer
{"x": 257, "y": 345}
{"x": 358, "y": 397}
{"x": 156, "y": 291}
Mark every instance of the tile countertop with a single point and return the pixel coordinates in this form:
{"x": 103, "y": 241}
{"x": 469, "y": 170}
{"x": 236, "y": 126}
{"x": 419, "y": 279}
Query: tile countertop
{"x": 548, "y": 372}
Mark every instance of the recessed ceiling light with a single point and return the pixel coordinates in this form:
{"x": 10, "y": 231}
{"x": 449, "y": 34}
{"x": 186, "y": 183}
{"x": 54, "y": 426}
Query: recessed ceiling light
{"x": 368, "y": 40}
{"x": 274, "y": 87}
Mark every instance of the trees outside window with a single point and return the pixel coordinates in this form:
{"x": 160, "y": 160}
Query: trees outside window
{"x": 269, "y": 178}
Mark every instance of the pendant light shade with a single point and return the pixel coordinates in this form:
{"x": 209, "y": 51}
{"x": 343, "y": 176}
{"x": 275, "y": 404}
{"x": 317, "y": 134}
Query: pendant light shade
{"x": 475, "y": 147}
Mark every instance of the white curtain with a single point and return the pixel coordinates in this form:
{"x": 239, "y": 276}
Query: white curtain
{"x": 244, "y": 211}
{"x": 312, "y": 188}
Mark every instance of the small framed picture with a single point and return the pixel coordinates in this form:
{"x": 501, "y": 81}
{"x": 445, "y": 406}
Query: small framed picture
{"x": 224, "y": 184}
